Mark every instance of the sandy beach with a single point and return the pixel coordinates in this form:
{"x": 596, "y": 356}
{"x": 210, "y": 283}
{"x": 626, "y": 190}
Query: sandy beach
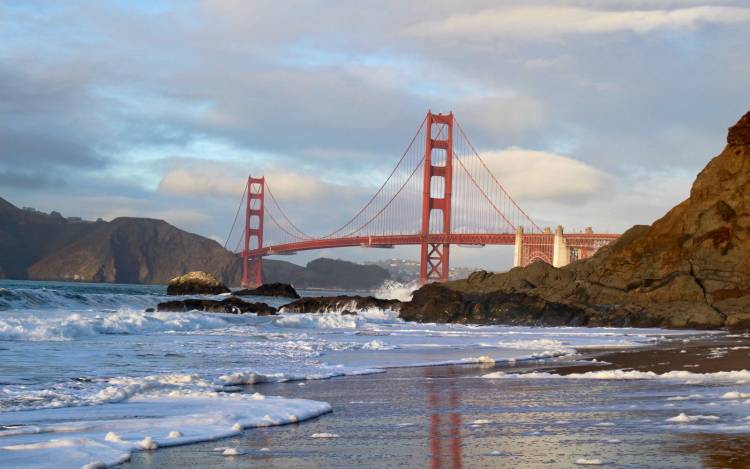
{"x": 450, "y": 416}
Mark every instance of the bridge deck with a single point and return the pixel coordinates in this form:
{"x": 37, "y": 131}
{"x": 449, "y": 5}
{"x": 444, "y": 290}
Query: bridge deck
{"x": 480, "y": 239}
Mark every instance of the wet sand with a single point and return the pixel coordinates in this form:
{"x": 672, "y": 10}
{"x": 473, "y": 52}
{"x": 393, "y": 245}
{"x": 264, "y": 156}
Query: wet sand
{"x": 699, "y": 355}
{"x": 450, "y": 417}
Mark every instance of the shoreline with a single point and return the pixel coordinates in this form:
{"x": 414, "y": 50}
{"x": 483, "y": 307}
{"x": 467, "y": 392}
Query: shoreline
{"x": 391, "y": 412}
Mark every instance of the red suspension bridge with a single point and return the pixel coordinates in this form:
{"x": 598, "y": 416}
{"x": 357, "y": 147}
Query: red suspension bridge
{"x": 440, "y": 193}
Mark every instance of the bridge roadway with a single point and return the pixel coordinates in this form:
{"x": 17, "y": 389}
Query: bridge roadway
{"x": 573, "y": 240}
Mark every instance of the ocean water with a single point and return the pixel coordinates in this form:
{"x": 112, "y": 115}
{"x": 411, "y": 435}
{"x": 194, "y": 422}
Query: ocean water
{"x": 87, "y": 376}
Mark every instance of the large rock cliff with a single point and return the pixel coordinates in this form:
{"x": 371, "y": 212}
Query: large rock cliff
{"x": 691, "y": 268}
{"x": 41, "y": 246}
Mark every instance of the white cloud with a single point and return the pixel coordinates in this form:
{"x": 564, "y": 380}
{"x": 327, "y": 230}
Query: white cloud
{"x": 492, "y": 113}
{"x": 201, "y": 180}
{"x": 557, "y": 21}
{"x": 534, "y": 175}
{"x": 291, "y": 186}
{"x": 214, "y": 179}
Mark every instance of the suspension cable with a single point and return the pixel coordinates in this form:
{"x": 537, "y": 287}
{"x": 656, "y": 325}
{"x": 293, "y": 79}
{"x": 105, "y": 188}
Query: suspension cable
{"x": 463, "y": 134}
{"x": 372, "y": 199}
{"x": 283, "y": 214}
{"x": 236, "y": 215}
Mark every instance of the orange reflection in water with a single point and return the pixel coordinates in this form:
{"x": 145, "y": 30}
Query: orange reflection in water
{"x": 445, "y": 422}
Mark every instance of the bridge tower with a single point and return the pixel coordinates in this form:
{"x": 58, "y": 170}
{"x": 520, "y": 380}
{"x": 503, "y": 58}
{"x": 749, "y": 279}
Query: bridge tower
{"x": 252, "y": 267}
{"x": 436, "y": 197}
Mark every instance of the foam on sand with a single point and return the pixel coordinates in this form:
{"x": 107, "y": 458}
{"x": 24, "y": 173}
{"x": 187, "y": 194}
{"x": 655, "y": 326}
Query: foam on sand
{"x": 588, "y": 462}
{"x": 722, "y": 376}
{"x": 684, "y": 418}
{"x": 107, "y": 434}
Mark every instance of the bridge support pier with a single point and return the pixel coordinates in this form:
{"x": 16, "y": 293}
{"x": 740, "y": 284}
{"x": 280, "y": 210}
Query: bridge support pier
{"x": 436, "y": 196}
{"x": 560, "y": 251}
{"x": 518, "y": 252}
{"x": 252, "y": 267}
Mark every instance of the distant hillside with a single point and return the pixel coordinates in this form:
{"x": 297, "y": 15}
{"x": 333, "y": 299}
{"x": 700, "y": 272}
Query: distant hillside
{"x": 39, "y": 246}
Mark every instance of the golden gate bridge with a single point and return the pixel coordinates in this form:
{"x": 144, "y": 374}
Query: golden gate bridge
{"x": 440, "y": 193}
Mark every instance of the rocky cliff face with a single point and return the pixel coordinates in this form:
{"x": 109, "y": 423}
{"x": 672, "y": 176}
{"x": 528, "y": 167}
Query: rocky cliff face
{"x": 39, "y": 246}
{"x": 689, "y": 269}
{"x": 134, "y": 250}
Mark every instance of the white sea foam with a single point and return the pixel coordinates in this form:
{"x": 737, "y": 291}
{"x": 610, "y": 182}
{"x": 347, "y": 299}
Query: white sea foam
{"x": 396, "y": 290}
{"x": 533, "y": 344}
{"x": 589, "y": 462}
{"x": 78, "y": 325}
{"x": 684, "y": 418}
{"x": 724, "y": 376}
{"x": 319, "y": 321}
{"x": 336, "y": 320}
{"x": 86, "y": 435}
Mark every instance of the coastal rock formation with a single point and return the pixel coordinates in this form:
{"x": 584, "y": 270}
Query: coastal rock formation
{"x": 196, "y": 283}
{"x": 341, "y": 304}
{"x": 232, "y": 305}
{"x": 270, "y": 289}
{"x": 689, "y": 269}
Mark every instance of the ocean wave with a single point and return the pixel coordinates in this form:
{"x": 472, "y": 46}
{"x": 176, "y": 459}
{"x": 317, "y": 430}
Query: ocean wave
{"x": 75, "y": 326}
{"x": 393, "y": 290}
{"x": 336, "y": 320}
{"x": 49, "y": 298}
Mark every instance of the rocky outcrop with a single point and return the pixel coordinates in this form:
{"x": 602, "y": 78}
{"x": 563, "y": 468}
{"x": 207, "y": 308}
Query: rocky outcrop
{"x": 689, "y": 269}
{"x": 341, "y": 304}
{"x": 270, "y": 289}
{"x": 436, "y": 303}
{"x": 196, "y": 283}
{"x": 231, "y": 305}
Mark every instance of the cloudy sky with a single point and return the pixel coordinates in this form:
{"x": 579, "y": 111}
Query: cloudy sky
{"x": 594, "y": 112}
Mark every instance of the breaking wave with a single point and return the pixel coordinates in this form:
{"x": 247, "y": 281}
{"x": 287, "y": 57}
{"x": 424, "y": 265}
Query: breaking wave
{"x": 75, "y": 326}
{"x": 43, "y": 298}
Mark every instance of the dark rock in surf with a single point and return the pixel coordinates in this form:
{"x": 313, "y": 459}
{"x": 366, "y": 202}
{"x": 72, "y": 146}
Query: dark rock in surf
{"x": 231, "y": 305}
{"x": 436, "y": 303}
{"x": 270, "y": 289}
{"x": 339, "y": 304}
